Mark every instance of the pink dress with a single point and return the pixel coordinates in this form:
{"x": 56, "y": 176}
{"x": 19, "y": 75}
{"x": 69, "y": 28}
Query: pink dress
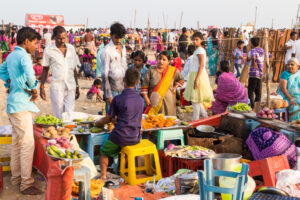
{"x": 38, "y": 69}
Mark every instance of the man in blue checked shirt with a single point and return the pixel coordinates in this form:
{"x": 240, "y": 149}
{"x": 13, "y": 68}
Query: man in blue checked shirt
{"x": 19, "y": 77}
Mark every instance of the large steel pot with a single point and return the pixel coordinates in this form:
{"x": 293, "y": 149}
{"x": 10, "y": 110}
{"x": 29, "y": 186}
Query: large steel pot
{"x": 226, "y": 161}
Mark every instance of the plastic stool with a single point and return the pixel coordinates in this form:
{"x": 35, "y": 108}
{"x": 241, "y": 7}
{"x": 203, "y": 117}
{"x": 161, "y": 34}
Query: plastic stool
{"x": 268, "y": 167}
{"x": 282, "y": 110}
{"x": 93, "y": 140}
{"x": 167, "y": 135}
{"x": 144, "y": 148}
{"x": 207, "y": 187}
{"x": 252, "y": 124}
{"x": 83, "y": 175}
{"x": 5, "y": 140}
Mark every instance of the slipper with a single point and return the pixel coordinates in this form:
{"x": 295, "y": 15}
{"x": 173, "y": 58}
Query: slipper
{"x": 31, "y": 191}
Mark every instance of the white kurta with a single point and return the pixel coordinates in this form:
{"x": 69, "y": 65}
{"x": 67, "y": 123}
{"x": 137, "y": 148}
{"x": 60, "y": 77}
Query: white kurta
{"x": 63, "y": 85}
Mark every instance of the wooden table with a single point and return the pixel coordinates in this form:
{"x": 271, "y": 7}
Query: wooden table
{"x": 272, "y": 123}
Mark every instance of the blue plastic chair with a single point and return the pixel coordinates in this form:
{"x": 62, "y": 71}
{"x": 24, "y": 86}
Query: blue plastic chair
{"x": 252, "y": 124}
{"x": 282, "y": 110}
{"x": 207, "y": 187}
{"x": 93, "y": 140}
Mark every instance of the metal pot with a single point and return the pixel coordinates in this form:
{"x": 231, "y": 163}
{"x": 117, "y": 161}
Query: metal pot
{"x": 207, "y": 129}
{"x": 226, "y": 161}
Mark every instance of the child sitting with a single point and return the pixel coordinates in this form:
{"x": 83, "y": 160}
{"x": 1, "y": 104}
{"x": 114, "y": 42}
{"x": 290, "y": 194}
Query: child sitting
{"x": 96, "y": 91}
{"x": 177, "y": 61}
{"x": 38, "y": 68}
{"x": 87, "y": 55}
{"x": 127, "y": 108}
{"x": 86, "y": 68}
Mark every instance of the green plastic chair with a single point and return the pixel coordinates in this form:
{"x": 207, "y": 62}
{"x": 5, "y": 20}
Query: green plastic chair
{"x": 168, "y": 135}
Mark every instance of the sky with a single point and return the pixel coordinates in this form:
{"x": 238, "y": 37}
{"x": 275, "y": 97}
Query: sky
{"x": 100, "y": 13}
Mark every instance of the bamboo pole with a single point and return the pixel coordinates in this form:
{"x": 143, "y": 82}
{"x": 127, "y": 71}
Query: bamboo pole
{"x": 255, "y": 18}
{"x": 180, "y": 24}
{"x": 198, "y": 25}
{"x": 148, "y": 35}
{"x": 134, "y": 20}
{"x": 2, "y": 24}
{"x": 266, "y": 38}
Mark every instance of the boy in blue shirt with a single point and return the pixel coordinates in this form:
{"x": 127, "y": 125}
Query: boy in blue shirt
{"x": 127, "y": 108}
{"x": 19, "y": 77}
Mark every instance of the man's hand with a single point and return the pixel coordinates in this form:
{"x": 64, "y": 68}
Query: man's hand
{"x": 109, "y": 100}
{"x": 43, "y": 93}
{"x": 33, "y": 93}
{"x": 77, "y": 93}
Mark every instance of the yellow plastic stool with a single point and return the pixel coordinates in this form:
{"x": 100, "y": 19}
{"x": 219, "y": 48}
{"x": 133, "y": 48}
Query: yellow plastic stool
{"x": 144, "y": 148}
{"x": 5, "y": 140}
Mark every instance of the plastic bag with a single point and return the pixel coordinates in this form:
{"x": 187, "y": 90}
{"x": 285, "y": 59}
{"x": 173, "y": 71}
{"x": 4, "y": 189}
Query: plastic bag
{"x": 289, "y": 181}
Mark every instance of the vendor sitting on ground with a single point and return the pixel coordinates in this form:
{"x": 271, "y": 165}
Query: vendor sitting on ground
{"x": 127, "y": 108}
{"x": 289, "y": 88}
{"x": 229, "y": 91}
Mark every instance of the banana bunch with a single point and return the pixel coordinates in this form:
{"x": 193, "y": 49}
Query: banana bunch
{"x": 56, "y": 152}
{"x": 188, "y": 109}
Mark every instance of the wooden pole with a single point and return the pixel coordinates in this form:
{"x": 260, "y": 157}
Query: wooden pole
{"x": 180, "y": 24}
{"x": 198, "y": 25}
{"x": 87, "y": 23}
{"x": 134, "y": 19}
{"x": 292, "y": 23}
{"x": 266, "y": 38}
{"x": 2, "y": 24}
{"x": 272, "y": 23}
{"x": 148, "y": 35}
{"x": 255, "y": 18}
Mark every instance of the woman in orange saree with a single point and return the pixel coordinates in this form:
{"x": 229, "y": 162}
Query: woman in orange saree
{"x": 159, "y": 87}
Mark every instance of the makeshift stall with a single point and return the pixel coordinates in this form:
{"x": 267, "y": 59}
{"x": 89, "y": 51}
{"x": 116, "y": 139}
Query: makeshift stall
{"x": 59, "y": 181}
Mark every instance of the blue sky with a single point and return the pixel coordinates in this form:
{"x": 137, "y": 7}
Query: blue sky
{"x": 209, "y": 12}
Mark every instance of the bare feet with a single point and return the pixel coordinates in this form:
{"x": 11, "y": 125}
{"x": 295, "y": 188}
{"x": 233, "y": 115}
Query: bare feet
{"x": 32, "y": 191}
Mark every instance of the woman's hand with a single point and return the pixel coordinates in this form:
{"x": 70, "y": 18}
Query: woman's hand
{"x": 196, "y": 84}
{"x": 293, "y": 102}
{"x": 147, "y": 101}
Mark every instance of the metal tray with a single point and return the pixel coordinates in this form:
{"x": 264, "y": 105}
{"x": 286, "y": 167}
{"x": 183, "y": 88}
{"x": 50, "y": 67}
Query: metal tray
{"x": 84, "y": 155}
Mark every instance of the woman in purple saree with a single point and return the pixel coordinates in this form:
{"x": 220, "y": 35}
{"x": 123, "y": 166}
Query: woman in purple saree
{"x": 229, "y": 91}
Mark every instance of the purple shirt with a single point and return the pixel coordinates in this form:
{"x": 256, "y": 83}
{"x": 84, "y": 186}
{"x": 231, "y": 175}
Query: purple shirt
{"x": 128, "y": 107}
{"x": 238, "y": 52}
{"x": 259, "y": 55}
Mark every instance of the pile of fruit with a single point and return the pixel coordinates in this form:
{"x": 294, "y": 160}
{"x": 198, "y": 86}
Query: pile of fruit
{"x": 154, "y": 121}
{"x": 61, "y": 142}
{"x": 266, "y": 113}
{"x": 89, "y": 119}
{"x": 241, "y": 107}
{"x": 96, "y": 186}
{"x": 52, "y": 132}
{"x": 296, "y": 123}
{"x": 59, "y": 153}
{"x": 47, "y": 120}
{"x": 188, "y": 109}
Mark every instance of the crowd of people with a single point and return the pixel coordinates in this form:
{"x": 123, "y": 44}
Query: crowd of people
{"x": 127, "y": 81}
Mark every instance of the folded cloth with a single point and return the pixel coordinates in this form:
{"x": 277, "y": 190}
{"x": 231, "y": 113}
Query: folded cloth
{"x": 264, "y": 142}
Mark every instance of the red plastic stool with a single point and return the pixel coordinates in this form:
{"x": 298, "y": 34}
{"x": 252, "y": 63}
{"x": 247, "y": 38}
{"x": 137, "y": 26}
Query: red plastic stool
{"x": 267, "y": 168}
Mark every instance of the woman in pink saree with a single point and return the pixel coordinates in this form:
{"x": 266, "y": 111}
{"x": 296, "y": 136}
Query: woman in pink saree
{"x": 229, "y": 91}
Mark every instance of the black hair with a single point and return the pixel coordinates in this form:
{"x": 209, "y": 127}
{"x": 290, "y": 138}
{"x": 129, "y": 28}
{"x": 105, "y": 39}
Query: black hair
{"x": 132, "y": 76}
{"x": 214, "y": 33}
{"x": 38, "y": 59}
{"x": 86, "y": 51}
{"x": 239, "y": 42}
{"x": 199, "y": 35}
{"x": 105, "y": 41}
{"x": 170, "y": 47}
{"x": 88, "y": 30}
{"x": 183, "y": 30}
{"x": 175, "y": 54}
{"x": 218, "y": 73}
{"x": 255, "y": 41}
{"x": 139, "y": 53}
{"x": 165, "y": 53}
{"x": 27, "y": 33}
{"x": 191, "y": 49}
{"x": 13, "y": 40}
{"x": 45, "y": 30}
{"x": 118, "y": 30}
{"x": 57, "y": 31}
{"x": 158, "y": 34}
{"x": 224, "y": 66}
{"x": 97, "y": 82}
{"x": 293, "y": 33}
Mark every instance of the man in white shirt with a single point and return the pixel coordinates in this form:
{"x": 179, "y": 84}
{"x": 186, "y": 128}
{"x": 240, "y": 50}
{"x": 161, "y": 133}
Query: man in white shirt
{"x": 115, "y": 63}
{"x": 290, "y": 46}
{"x": 246, "y": 38}
{"x": 172, "y": 37}
{"x": 47, "y": 37}
{"x": 63, "y": 60}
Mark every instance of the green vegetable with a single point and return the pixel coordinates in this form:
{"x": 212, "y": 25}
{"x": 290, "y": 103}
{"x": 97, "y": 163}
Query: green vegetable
{"x": 96, "y": 130}
{"x": 241, "y": 107}
{"x": 81, "y": 130}
{"x": 90, "y": 119}
{"x": 47, "y": 119}
{"x": 185, "y": 123}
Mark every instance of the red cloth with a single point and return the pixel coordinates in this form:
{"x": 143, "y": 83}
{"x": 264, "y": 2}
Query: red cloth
{"x": 177, "y": 63}
{"x": 183, "y": 101}
{"x": 38, "y": 69}
{"x": 59, "y": 183}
